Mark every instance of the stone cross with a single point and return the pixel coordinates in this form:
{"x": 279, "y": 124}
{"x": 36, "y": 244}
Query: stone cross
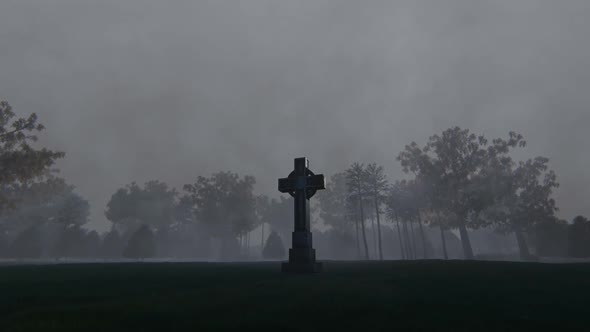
{"x": 302, "y": 184}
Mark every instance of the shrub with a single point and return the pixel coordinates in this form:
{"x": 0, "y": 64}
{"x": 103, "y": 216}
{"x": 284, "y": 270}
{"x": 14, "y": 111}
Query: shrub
{"x": 142, "y": 244}
{"x": 274, "y": 248}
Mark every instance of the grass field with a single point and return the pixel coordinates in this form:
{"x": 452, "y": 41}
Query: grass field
{"x": 421, "y": 295}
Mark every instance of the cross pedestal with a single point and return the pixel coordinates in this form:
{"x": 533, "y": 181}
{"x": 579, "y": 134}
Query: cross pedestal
{"x": 302, "y": 184}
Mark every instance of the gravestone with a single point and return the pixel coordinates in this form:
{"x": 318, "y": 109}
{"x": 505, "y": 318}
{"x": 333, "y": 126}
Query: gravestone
{"x": 302, "y": 184}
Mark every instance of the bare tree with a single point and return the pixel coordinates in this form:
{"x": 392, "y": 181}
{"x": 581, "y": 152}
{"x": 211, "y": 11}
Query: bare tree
{"x": 355, "y": 176}
{"x": 377, "y": 186}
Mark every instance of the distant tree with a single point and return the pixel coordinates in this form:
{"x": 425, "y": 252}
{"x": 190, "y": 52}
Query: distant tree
{"x": 39, "y": 202}
{"x": 405, "y": 202}
{"x": 456, "y": 162}
{"x": 429, "y": 178}
{"x": 19, "y": 161}
{"x": 579, "y": 238}
{"x": 49, "y": 205}
{"x": 142, "y": 244}
{"x": 243, "y": 210}
{"x": 274, "y": 248}
{"x": 154, "y": 205}
{"x": 355, "y": 181}
{"x": 180, "y": 239}
{"x": 73, "y": 212}
{"x": 442, "y": 218}
{"x": 183, "y": 211}
{"x": 27, "y": 244}
{"x": 414, "y": 203}
{"x": 353, "y": 213}
{"x": 225, "y": 205}
{"x": 393, "y": 206}
{"x": 3, "y": 245}
{"x": 523, "y": 199}
{"x": 122, "y": 207}
{"x": 459, "y": 153}
{"x": 262, "y": 206}
{"x": 334, "y": 204}
{"x": 70, "y": 242}
{"x": 551, "y": 238}
{"x": 278, "y": 214}
{"x": 376, "y": 183}
{"x": 112, "y": 245}
{"x": 92, "y": 244}
{"x": 165, "y": 238}
{"x": 231, "y": 249}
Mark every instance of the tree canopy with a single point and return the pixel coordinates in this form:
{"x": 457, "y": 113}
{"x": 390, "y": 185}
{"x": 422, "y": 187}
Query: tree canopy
{"x": 154, "y": 204}
{"x": 20, "y": 161}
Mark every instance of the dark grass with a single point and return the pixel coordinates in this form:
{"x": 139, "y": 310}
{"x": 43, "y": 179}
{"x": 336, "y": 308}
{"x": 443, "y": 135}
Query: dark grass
{"x": 422, "y": 295}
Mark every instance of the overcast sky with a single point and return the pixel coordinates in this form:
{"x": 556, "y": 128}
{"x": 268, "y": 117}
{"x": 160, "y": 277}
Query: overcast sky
{"x": 142, "y": 89}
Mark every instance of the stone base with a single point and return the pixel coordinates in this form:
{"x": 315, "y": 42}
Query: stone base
{"x": 314, "y": 267}
{"x": 301, "y": 256}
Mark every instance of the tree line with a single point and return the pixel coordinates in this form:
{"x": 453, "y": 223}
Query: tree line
{"x": 457, "y": 181}
{"x": 455, "y": 185}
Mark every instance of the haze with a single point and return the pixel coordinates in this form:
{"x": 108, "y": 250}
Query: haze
{"x": 139, "y": 90}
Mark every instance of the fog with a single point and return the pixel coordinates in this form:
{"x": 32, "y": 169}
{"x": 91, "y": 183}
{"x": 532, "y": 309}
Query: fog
{"x": 139, "y": 90}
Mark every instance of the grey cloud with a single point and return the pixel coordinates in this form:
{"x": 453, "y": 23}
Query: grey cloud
{"x": 135, "y": 90}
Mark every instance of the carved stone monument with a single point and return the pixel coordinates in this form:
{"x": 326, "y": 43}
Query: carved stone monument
{"x": 302, "y": 184}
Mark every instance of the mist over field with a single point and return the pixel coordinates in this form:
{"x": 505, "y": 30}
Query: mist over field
{"x": 150, "y": 90}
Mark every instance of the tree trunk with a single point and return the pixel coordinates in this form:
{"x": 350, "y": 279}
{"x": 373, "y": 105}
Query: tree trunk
{"x": 444, "y": 242}
{"x": 374, "y": 235}
{"x": 364, "y": 233}
{"x": 408, "y": 246}
{"x": 240, "y": 243}
{"x": 358, "y": 241}
{"x": 414, "y": 250}
{"x": 423, "y": 237}
{"x": 399, "y": 235}
{"x": 522, "y": 246}
{"x": 467, "y": 250}
{"x": 248, "y": 244}
{"x": 378, "y": 228}
{"x": 262, "y": 239}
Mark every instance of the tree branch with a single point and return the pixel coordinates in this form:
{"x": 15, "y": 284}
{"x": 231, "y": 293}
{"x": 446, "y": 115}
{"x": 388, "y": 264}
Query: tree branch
{"x": 13, "y": 131}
